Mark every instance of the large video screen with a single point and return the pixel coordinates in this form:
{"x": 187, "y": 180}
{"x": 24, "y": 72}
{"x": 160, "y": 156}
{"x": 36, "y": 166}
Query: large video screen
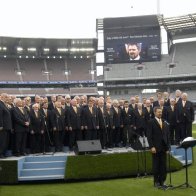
{"x": 132, "y": 44}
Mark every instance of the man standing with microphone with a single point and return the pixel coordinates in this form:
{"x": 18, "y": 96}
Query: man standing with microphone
{"x": 158, "y": 139}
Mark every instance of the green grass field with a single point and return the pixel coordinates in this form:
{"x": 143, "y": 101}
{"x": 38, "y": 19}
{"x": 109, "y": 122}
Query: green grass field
{"x": 120, "y": 187}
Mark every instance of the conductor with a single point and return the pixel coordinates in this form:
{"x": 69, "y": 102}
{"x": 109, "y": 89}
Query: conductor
{"x": 158, "y": 138}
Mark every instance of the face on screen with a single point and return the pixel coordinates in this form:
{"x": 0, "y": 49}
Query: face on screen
{"x": 133, "y": 51}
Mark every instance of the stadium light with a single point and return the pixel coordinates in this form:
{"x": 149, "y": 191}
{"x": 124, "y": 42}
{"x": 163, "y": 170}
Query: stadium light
{"x": 60, "y": 57}
{"x": 3, "y": 48}
{"x": 54, "y": 57}
{"x": 19, "y": 73}
{"x": 19, "y": 49}
{"x": 20, "y": 57}
{"x": 81, "y": 57}
{"x": 46, "y": 49}
{"x": 92, "y": 72}
{"x": 100, "y": 84}
{"x": 62, "y": 49}
{"x": 149, "y": 91}
{"x": 67, "y": 72}
{"x": 48, "y": 57}
{"x": 31, "y": 49}
{"x": 46, "y": 72}
{"x": 4, "y": 56}
{"x": 27, "y": 57}
{"x": 82, "y": 49}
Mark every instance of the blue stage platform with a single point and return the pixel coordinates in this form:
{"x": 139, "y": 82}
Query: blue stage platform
{"x": 54, "y": 166}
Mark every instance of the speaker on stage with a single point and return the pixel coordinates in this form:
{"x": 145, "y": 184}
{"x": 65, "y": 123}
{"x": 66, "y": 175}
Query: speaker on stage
{"x": 88, "y": 147}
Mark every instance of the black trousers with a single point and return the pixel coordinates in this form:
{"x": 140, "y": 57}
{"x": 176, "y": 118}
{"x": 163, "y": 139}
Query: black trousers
{"x": 74, "y": 136}
{"x": 116, "y": 136}
{"x": 4, "y": 141}
{"x": 36, "y": 141}
{"x": 172, "y": 130}
{"x": 102, "y": 136}
{"x": 159, "y": 167}
{"x": 184, "y": 129}
{"x": 127, "y": 134}
{"x": 58, "y": 140}
{"x": 20, "y": 139}
{"x": 90, "y": 134}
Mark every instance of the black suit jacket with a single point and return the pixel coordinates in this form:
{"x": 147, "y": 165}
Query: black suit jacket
{"x": 102, "y": 118}
{"x": 51, "y": 106}
{"x": 156, "y": 104}
{"x": 5, "y": 117}
{"x": 109, "y": 119}
{"x": 128, "y": 118}
{"x": 88, "y": 119}
{"x": 167, "y": 103}
{"x": 36, "y": 123}
{"x": 60, "y": 120}
{"x": 140, "y": 120}
{"x": 157, "y": 137}
{"x": 48, "y": 119}
{"x": 19, "y": 120}
{"x": 117, "y": 118}
{"x": 186, "y": 112}
{"x": 150, "y": 114}
{"x": 74, "y": 119}
{"x": 171, "y": 116}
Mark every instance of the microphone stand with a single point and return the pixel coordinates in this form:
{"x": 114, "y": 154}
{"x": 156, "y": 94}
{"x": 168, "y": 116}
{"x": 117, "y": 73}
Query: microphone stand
{"x": 137, "y": 151}
{"x": 169, "y": 160}
{"x": 106, "y": 131}
{"x": 46, "y": 128}
{"x": 169, "y": 168}
{"x": 144, "y": 151}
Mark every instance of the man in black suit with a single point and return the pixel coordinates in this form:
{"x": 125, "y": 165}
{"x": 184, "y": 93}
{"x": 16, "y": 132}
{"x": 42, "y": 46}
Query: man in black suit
{"x": 48, "y": 126}
{"x": 159, "y": 97}
{"x": 60, "y": 126}
{"x": 36, "y": 129}
{"x": 118, "y": 123}
{"x": 178, "y": 94}
{"x": 90, "y": 120}
{"x": 140, "y": 120}
{"x": 51, "y": 104}
{"x": 21, "y": 122}
{"x": 74, "y": 123}
{"x": 149, "y": 110}
{"x": 133, "y": 104}
{"x": 166, "y": 99}
{"x": 171, "y": 119}
{"x": 5, "y": 125}
{"x": 128, "y": 123}
{"x": 158, "y": 139}
{"x": 109, "y": 126}
{"x": 102, "y": 122}
{"x": 185, "y": 117}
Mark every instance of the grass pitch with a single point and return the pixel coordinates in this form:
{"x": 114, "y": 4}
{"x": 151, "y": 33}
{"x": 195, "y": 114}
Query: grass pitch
{"x": 115, "y": 187}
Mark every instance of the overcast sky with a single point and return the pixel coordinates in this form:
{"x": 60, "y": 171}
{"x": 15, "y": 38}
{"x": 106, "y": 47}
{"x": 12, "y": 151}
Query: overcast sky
{"x": 77, "y": 18}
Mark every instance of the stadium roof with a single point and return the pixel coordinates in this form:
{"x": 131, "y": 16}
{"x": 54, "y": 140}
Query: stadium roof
{"x": 42, "y": 48}
{"x": 179, "y": 27}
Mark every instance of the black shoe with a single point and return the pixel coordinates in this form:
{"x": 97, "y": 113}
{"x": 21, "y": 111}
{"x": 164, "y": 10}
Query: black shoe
{"x": 2, "y": 156}
{"x": 157, "y": 185}
{"x": 17, "y": 154}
